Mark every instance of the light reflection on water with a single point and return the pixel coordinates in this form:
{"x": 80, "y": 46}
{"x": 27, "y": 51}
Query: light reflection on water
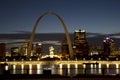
{"x": 62, "y": 69}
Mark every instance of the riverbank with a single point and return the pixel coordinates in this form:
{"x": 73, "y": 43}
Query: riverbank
{"x": 58, "y": 77}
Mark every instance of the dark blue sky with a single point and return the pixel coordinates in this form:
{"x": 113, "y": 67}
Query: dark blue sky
{"x": 96, "y": 16}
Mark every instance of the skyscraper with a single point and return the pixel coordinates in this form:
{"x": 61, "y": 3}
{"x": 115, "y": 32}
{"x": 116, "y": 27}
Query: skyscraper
{"x": 24, "y": 48}
{"x": 108, "y": 46}
{"x": 80, "y": 43}
{"x": 79, "y": 37}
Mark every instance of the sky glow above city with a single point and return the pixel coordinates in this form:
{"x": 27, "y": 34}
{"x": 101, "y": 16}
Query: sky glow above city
{"x": 95, "y": 16}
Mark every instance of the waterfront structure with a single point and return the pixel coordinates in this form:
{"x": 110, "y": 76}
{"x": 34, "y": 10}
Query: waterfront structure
{"x": 65, "y": 29}
{"x": 80, "y": 43}
{"x": 2, "y": 49}
{"x": 108, "y": 46}
{"x": 71, "y": 66}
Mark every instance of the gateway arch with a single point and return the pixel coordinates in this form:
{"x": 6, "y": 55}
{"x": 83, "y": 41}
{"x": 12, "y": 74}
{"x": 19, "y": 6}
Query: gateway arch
{"x": 65, "y": 29}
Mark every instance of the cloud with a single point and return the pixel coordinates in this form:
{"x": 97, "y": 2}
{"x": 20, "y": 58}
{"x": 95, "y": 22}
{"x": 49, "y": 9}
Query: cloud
{"x": 22, "y": 32}
{"x": 92, "y": 38}
{"x": 90, "y": 34}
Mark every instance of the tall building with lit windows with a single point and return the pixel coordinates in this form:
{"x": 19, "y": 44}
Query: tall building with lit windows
{"x": 24, "y": 48}
{"x": 79, "y": 37}
{"x": 80, "y": 43}
{"x": 108, "y": 46}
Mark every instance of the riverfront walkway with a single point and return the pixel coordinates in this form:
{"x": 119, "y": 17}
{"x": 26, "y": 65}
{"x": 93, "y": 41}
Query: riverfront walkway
{"x": 60, "y": 62}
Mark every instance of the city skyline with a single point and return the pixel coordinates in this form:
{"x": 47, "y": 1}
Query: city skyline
{"x": 101, "y": 16}
{"x": 32, "y": 39}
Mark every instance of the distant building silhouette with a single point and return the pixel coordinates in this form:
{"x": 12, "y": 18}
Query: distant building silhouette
{"x": 64, "y": 48}
{"x": 2, "y": 49}
{"x": 81, "y": 47}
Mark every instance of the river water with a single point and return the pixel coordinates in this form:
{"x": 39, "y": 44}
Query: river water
{"x": 66, "y": 69}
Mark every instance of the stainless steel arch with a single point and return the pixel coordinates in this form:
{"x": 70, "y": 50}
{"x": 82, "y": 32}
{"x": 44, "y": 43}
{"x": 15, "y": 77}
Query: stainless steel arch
{"x": 65, "y": 29}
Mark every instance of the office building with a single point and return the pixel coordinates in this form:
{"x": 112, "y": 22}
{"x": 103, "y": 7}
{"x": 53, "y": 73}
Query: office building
{"x": 79, "y": 37}
{"x": 2, "y": 49}
{"x": 39, "y": 49}
{"x": 108, "y": 46}
{"x": 24, "y": 48}
{"x": 80, "y": 43}
{"x": 64, "y": 48}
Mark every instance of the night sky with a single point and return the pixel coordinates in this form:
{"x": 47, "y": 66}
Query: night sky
{"x": 95, "y": 16}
